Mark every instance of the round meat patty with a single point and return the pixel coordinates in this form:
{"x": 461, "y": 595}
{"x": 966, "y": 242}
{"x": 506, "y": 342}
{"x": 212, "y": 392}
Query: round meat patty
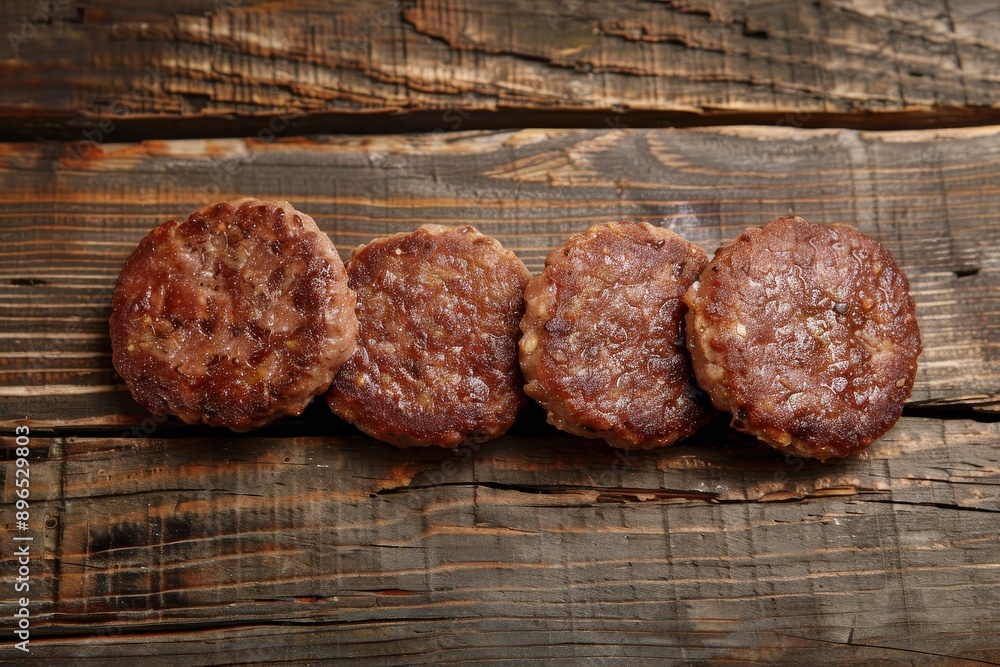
{"x": 603, "y": 346}
{"x": 237, "y": 316}
{"x": 807, "y": 335}
{"x": 436, "y": 362}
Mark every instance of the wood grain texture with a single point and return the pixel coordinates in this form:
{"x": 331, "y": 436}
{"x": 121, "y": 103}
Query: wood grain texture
{"x": 308, "y": 543}
{"x": 70, "y": 220}
{"x": 524, "y": 549}
{"x": 508, "y": 62}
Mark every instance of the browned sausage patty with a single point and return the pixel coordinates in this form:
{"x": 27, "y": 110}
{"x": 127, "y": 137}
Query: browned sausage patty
{"x": 807, "y": 335}
{"x": 436, "y": 362}
{"x": 603, "y": 346}
{"x": 237, "y": 316}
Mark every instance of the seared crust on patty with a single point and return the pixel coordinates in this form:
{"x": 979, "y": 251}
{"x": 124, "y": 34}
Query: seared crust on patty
{"x": 603, "y": 345}
{"x": 237, "y": 316}
{"x": 807, "y": 334}
{"x": 436, "y": 362}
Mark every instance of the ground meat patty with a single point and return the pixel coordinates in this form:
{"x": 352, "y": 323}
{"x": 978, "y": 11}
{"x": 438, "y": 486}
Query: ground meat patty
{"x": 603, "y": 346}
{"x": 436, "y": 362}
{"x": 237, "y": 316}
{"x": 807, "y": 335}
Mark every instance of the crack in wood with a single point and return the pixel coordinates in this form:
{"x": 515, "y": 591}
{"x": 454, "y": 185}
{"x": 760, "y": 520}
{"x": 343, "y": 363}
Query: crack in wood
{"x": 641, "y": 495}
{"x": 944, "y": 506}
{"x": 555, "y": 489}
{"x": 149, "y": 630}
{"x": 894, "y": 648}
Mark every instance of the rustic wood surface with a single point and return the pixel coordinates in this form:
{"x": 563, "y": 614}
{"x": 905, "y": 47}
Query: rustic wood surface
{"x": 199, "y": 547}
{"x": 306, "y": 542}
{"x": 71, "y": 221}
{"x": 310, "y": 548}
{"x": 346, "y": 65}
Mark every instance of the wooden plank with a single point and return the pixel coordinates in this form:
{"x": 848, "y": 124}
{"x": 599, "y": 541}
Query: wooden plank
{"x": 70, "y": 220}
{"x": 549, "y": 547}
{"x": 463, "y": 63}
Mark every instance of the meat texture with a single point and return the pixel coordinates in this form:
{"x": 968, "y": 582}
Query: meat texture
{"x": 235, "y": 317}
{"x": 807, "y": 334}
{"x": 436, "y": 362}
{"x": 603, "y": 347}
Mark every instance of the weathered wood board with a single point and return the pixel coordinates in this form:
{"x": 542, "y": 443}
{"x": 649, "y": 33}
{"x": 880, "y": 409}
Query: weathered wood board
{"x": 308, "y": 543}
{"x": 70, "y": 220}
{"x": 527, "y": 548}
{"x": 204, "y": 64}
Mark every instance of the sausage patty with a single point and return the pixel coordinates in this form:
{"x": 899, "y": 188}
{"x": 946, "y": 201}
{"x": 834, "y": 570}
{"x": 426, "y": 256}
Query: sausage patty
{"x": 237, "y": 316}
{"x": 603, "y": 346}
{"x": 436, "y": 362}
{"x": 807, "y": 335}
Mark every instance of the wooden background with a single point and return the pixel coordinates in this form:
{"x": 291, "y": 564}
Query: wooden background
{"x": 307, "y": 542}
